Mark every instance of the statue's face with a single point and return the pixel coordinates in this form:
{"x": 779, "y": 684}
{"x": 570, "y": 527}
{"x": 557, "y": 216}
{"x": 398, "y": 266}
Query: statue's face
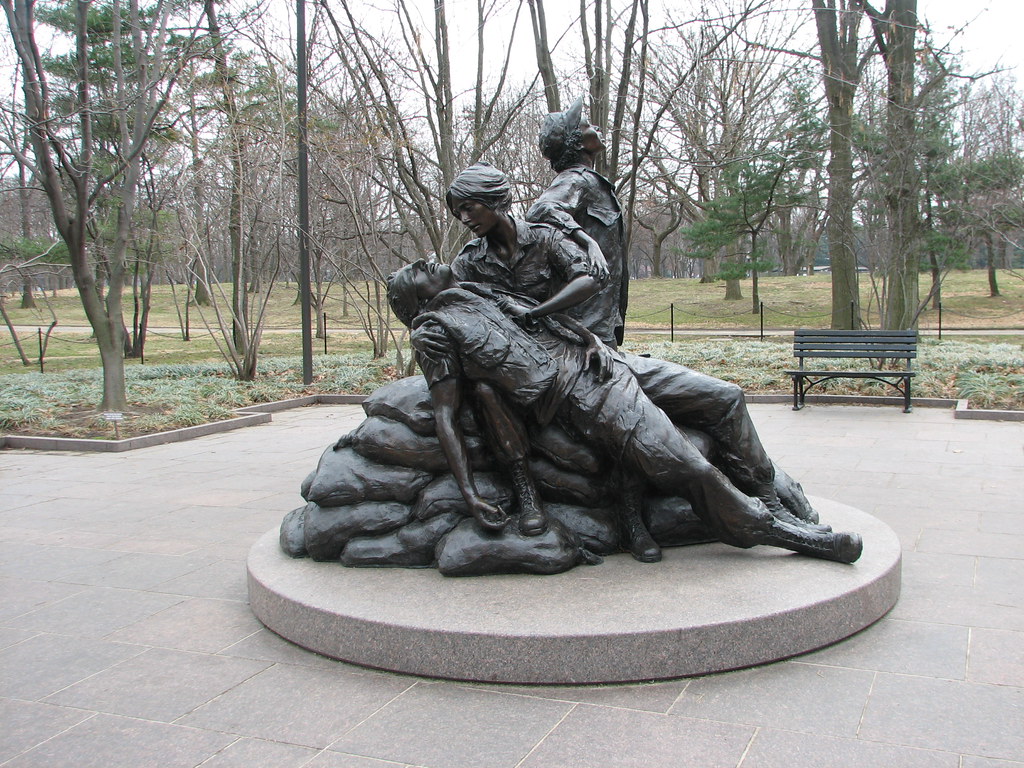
{"x": 430, "y": 279}
{"x": 476, "y": 216}
{"x": 593, "y": 141}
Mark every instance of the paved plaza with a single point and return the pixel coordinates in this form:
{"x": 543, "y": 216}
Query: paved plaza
{"x": 126, "y": 639}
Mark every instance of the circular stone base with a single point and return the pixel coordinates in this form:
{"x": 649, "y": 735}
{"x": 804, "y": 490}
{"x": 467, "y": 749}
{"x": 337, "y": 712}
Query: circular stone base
{"x": 704, "y": 608}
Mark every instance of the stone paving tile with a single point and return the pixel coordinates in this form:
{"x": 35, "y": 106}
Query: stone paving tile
{"x": 9, "y": 637}
{"x": 936, "y": 570}
{"x": 256, "y": 753}
{"x": 966, "y": 606}
{"x": 47, "y": 663}
{"x": 218, "y": 497}
{"x": 997, "y": 657}
{"x": 773, "y": 748}
{"x": 25, "y": 595}
{"x": 106, "y": 741}
{"x": 970, "y": 761}
{"x": 329, "y": 759}
{"x": 647, "y": 697}
{"x": 28, "y": 723}
{"x": 906, "y": 647}
{"x": 966, "y": 542}
{"x": 265, "y": 645}
{"x": 450, "y": 726}
{"x": 135, "y": 571}
{"x": 299, "y": 705}
{"x": 603, "y": 737}
{"x": 24, "y": 561}
{"x": 158, "y": 684}
{"x": 222, "y": 623}
{"x": 73, "y": 536}
{"x": 999, "y": 575}
{"x": 787, "y": 695}
{"x": 953, "y": 716}
{"x": 220, "y": 579}
{"x": 151, "y": 543}
{"x": 95, "y": 611}
{"x": 15, "y": 497}
{"x": 1001, "y": 520}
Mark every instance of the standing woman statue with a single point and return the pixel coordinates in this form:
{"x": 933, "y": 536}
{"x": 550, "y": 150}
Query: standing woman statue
{"x": 583, "y": 205}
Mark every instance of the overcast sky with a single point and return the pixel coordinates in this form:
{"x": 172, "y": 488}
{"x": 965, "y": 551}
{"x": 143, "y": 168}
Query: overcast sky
{"x": 994, "y": 34}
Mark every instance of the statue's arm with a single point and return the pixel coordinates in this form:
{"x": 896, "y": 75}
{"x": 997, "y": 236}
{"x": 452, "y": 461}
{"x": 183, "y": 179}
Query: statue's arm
{"x": 593, "y": 250}
{"x": 576, "y": 291}
{"x": 446, "y": 397}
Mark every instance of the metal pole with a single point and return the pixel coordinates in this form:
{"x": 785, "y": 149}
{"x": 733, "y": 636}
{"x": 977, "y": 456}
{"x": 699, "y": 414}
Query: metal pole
{"x": 325, "y": 333}
{"x": 672, "y": 322}
{"x": 40, "y": 330}
{"x": 853, "y": 318}
{"x": 940, "y": 321}
{"x": 762, "y": 320}
{"x": 307, "y": 315}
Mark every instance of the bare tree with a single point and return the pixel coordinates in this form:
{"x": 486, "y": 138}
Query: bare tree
{"x": 64, "y": 145}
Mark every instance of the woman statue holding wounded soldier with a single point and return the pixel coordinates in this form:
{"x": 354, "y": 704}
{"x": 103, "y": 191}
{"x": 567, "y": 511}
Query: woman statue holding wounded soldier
{"x": 542, "y": 370}
{"x": 537, "y": 261}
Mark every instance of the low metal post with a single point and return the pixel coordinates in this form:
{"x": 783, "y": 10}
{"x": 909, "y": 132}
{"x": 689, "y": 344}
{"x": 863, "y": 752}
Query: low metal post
{"x": 40, "y": 330}
{"x": 853, "y": 317}
{"x": 672, "y": 322}
{"x": 325, "y": 333}
{"x": 940, "y": 321}
{"x": 762, "y": 320}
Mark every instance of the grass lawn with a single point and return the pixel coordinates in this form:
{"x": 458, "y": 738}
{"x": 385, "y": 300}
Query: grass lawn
{"x": 182, "y": 383}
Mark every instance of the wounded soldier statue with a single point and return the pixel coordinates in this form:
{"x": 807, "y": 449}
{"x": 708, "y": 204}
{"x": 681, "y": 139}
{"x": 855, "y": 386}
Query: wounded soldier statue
{"x": 554, "y": 373}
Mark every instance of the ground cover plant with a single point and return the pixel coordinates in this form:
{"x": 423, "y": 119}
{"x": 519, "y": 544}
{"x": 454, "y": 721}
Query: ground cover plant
{"x": 990, "y": 374}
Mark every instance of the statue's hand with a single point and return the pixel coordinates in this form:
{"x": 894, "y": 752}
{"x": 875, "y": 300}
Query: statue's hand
{"x": 432, "y": 343}
{"x": 489, "y": 516}
{"x": 599, "y": 358}
{"x": 600, "y": 263}
{"x": 517, "y": 311}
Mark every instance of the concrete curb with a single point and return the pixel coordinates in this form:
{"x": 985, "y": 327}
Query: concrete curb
{"x": 961, "y": 408}
{"x": 252, "y": 415}
{"x": 249, "y": 416}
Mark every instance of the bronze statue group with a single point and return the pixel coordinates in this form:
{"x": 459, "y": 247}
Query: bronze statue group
{"x": 524, "y": 327}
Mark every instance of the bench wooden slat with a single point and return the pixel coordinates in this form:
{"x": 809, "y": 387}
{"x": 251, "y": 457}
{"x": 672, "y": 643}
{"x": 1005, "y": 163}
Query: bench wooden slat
{"x": 857, "y": 353}
{"x": 856, "y": 334}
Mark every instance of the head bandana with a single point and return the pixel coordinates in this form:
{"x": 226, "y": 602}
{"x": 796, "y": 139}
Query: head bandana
{"x": 483, "y": 183}
{"x": 557, "y": 128}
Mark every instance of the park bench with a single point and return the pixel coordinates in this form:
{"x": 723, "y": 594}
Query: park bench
{"x": 872, "y": 345}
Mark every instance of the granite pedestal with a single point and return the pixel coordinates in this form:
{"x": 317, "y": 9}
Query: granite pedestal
{"x": 704, "y": 608}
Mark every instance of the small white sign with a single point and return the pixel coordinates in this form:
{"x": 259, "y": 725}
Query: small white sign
{"x": 113, "y": 416}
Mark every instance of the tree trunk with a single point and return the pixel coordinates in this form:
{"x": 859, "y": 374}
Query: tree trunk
{"x": 902, "y": 177}
{"x": 837, "y": 38}
{"x": 990, "y": 251}
{"x": 656, "y": 248}
{"x": 28, "y": 299}
{"x": 14, "y": 333}
{"x": 543, "y": 52}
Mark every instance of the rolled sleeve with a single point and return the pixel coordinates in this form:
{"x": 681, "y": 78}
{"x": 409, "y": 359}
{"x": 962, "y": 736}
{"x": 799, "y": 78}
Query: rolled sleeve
{"x": 571, "y": 260}
{"x": 436, "y": 369}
